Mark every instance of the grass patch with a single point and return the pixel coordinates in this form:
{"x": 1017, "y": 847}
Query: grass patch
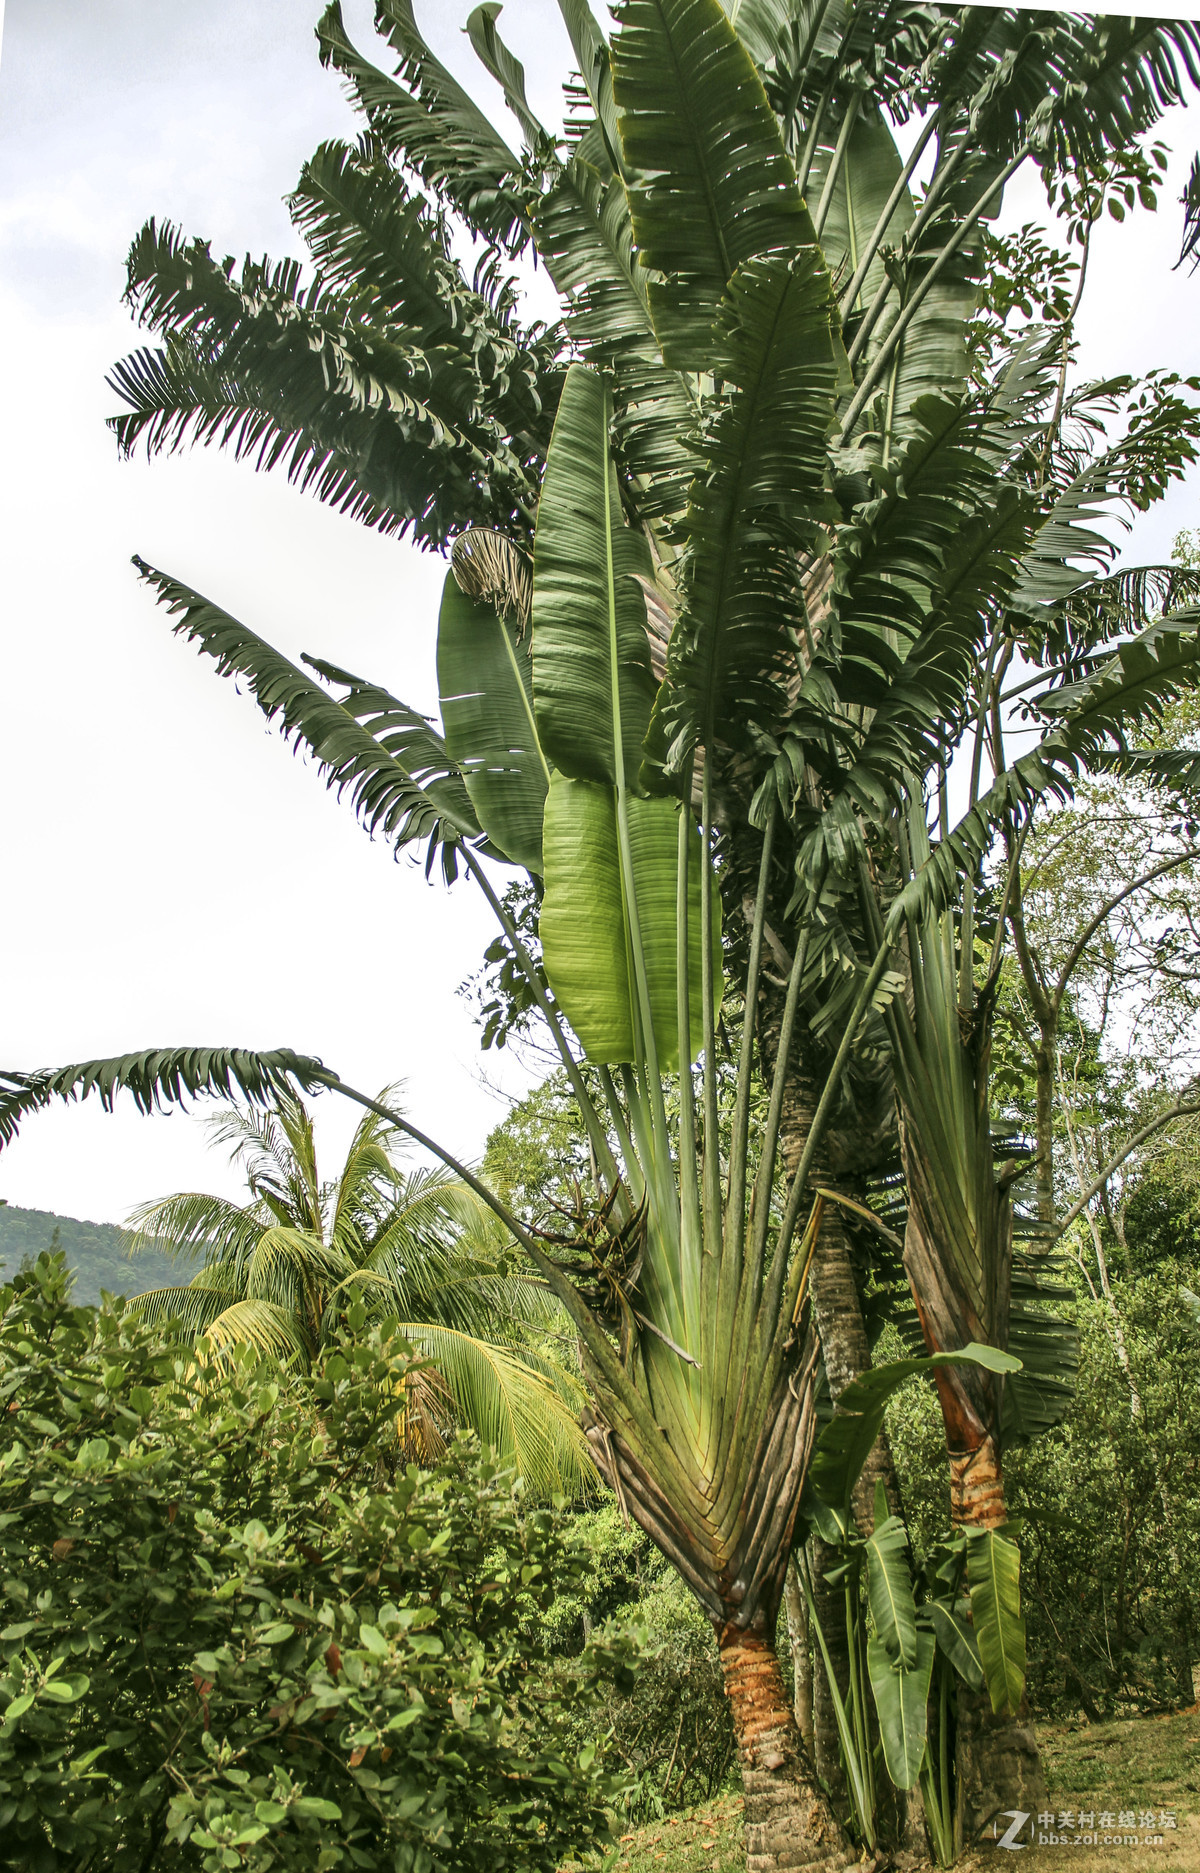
{"x": 707, "y": 1837}
{"x": 1139, "y": 1762}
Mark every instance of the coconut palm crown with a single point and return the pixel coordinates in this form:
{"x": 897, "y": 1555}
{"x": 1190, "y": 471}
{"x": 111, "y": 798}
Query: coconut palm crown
{"x": 282, "y": 1270}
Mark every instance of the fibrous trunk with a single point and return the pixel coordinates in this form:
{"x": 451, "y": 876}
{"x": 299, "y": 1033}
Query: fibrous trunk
{"x": 788, "y": 1821}
{"x": 729, "y": 1532}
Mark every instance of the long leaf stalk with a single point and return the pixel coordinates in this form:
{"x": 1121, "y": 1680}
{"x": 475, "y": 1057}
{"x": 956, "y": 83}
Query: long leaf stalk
{"x": 712, "y": 1149}
{"x": 808, "y": 154}
{"x": 836, "y": 161}
{"x": 891, "y": 344}
{"x": 859, "y": 1707}
{"x": 735, "y": 1207}
{"x": 760, "y": 1206}
{"x": 855, "y": 1760}
{"x": 689, "y": 1173}
{"x": 876, "y": 237}
{"x": 793, "y": 99}
{"x": 537, "y": 989}
{"x": 936, "y": 1792}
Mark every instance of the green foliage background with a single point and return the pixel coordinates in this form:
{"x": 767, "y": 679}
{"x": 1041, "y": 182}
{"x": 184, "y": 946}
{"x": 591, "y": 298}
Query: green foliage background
{"x": 1109, "y": 1507}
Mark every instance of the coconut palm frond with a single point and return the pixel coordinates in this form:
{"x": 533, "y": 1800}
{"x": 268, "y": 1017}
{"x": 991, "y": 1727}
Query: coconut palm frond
{"x": 191, "y": 1223}
{"x": 368, "y": 1164}
{"x": 194, "y": 1307}
{"x": 288, "y": 1266}
{"x": 512, "y": 1408}
{"x": 273, "y": 1330}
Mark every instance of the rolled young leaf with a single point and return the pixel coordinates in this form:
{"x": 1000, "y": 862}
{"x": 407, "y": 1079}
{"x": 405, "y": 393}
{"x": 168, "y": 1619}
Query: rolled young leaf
{"x": 485, "y": 680}
{"x": 586, "y": 941}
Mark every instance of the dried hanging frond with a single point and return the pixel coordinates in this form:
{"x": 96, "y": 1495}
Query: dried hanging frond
{"x": 660, "y": 621}
{"x": 487, "y": 564}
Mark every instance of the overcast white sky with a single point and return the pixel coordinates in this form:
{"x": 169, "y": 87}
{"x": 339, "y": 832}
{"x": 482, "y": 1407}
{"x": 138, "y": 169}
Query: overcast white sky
{"x": 171, "y": 874}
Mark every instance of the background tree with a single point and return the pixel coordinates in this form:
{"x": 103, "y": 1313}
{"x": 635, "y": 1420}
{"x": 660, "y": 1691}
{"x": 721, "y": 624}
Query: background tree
{"x": 282, "y": 1272}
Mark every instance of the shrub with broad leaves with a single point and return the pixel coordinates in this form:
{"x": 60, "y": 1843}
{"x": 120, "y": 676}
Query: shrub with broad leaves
{"x": 238, "y": 1633}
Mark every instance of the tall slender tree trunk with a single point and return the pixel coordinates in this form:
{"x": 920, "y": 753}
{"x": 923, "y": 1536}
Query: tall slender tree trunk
{"x": 788, "y": 1822}
{"x": 1045, "y": 1060}
{"x": 800, "y": 1644}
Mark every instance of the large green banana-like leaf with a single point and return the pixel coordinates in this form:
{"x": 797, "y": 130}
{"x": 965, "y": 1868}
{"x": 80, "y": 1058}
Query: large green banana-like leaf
{"x": 712, "y": 184}
{"x": 845, "y": 1443}
{"x": 435, "y": 127}
{"x": 902, "y": 1700}
{"x": 758, "y": 501}
{"x": 505, "y": 68}
{"x": 994, "y": 1577}
{"x": 485, "y": 681}
{"x": 1108, "y": 80}
{"x": 890, "y": 1590}
{"x": 870, "y": 167}
{"x": 400, "y": 435}
{"x": 890, "y": 560}
{"x": 1132, "y": 683}
{"x": 1078, "y": 88}
{"x": 925, "y": 708}
{"x": 362, "y": 224}
{"x": 591, "y": 56}
{"x": 955, "y": 1636}
{"x": 592, "y": 681}
{"x": 587, "y": 942}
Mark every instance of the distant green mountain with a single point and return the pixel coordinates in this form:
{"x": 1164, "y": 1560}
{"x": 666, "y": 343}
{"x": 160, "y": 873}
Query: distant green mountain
{"x": 94, "y": 1251}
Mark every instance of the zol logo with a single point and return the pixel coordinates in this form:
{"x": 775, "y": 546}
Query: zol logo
{"x": 1009, "y": 1839}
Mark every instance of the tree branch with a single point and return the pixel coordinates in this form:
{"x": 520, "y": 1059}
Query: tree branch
{"x": 1110, "y": 905}
{"x": 1177, "y": 1111}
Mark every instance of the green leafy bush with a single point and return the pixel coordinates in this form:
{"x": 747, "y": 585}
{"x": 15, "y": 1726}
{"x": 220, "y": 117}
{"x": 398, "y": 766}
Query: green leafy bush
{"x": 237, "y": 1634}
{"x": 670, "y": 1728}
